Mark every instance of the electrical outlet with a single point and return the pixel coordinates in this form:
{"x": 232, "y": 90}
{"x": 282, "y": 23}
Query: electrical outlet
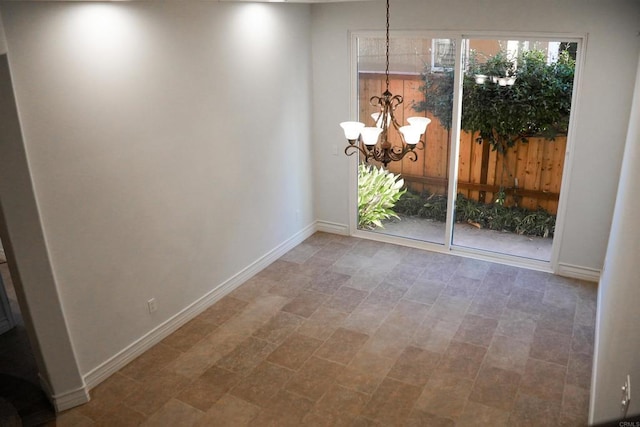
{"x": 152, "y": 305}
{"x": 626, "y": 396}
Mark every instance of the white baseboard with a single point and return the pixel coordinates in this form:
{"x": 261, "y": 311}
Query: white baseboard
{"x": 67, "y": 400}
{"x": 121, "y": 359}
{"x": 578, "y": 272}
{"x": 332, "y": 227}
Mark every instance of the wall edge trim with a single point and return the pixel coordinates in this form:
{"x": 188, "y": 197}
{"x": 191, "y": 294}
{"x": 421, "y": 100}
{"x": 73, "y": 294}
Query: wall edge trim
{"x": 578, "y": 272}
{"x": 332, "y": 227}
{"x": 67, "y": 400}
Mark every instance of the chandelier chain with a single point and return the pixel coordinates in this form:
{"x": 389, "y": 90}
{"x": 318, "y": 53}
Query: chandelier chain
{"x": 387, "y": 49}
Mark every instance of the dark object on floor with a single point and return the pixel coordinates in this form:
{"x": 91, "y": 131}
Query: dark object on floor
{"x": 23, "y": 403}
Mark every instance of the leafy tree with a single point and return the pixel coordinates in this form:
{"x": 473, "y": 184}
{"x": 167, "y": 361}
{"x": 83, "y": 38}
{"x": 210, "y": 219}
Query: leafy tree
{"x": 537, "y": 104}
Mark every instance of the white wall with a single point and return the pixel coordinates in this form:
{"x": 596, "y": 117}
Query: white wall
{"x": 617, "y": 340}
{"x": 601, "y": 114}
{"x": 169, "y": 148}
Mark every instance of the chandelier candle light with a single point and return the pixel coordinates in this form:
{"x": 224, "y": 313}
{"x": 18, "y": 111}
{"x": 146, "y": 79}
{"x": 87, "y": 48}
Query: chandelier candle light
{"x": 373, "y": 142}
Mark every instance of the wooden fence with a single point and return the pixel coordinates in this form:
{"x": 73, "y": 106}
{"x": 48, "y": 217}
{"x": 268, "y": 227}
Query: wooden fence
{"x": 530, "y": 173}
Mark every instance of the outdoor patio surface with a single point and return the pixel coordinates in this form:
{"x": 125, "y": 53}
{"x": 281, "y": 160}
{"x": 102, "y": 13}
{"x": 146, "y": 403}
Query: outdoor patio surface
{"x": 538, "y": 248}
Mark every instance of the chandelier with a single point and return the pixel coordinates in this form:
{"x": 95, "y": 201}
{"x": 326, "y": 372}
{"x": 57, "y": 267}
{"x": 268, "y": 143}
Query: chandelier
{"x": 374, "y": 142}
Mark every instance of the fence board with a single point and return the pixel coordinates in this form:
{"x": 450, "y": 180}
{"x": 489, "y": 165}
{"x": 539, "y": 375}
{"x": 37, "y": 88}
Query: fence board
{"x": 491, "y": 174}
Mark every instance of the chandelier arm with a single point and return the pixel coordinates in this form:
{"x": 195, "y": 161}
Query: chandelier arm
{"x": 356, "y": 149}
{"x": 376, "y": 101}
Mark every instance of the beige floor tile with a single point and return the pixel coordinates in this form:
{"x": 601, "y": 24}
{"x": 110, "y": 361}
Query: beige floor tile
{"x": 253, "y": 288}
{"x": 462, "y": 360}
{"x": 575, "y": 403}
{"x": 223, "y": 310}
{"x": 286, "y": 409}
{"x": 476, "y": 330}
{"x": 435, "y": 334}
{"x": 582, "y": 340}
{"x": 319, "y": 418}
{"x": 290, "y": 286}
{"x": 229, "y": 411}
{"x": 392, "y": 402}
{"x": 488, "y": 305}
{"x": 174, "y": 413}
{"x": 315, "y": 265}
{"x": 314, "y": 378}
{"x": 121, "y": 415}
{"x": 414, "y": 366}
{"x": 246, "y": 356}
{"x": 445, "y": 395}
{"x": 364, "y": 381}
{"x": 339, "y": 400}
{"x": 305, "y": 304}
{"x": 366, "y": 318}
{"x": 386, "y": 343}
{"x": 579, "y": 370}
{"x": 278, "y": 270}
{"x": 261, "y": 385}
{"x": 419, "y": 419}
{"x": 560, "y": 296}
{"x": 543, "y": 379}
{"x": 328, "y": 282}
{"x": 205, "y": 353}
{"x": 108, "y": 395}
{"x": 478, "y": 415}
{"x": 156, "y": 391}
{"x": 322, "y": 324}
{"x": 531, "y": 411}
{"x": 495, "y": 387}
{"x": 279, "y": 327}
{"x": 550, "y": 346}
{"x": 294, "y": 351}
{"x": 189, "y": 334}
{"x": 208, "y": 388}
{"x": 346, "y": 299}
{"x": 450, "y": 308}
{"x": 254, "y": 315}
{"x": 526, "y": 300}
{"x": 555, "y": 319}
{"x": 425, "y": 291}
{"x": 154, "y": 359}
{"x": 508, "y": 353}
{"x": 342, "y": 346}
{"x": 405, "y": 317}
{"x": 518, "y": 325}
{"x": 73, "y": 418}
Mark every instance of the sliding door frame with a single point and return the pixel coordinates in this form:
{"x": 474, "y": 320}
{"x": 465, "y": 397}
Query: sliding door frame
{"x": 448, "y": 246}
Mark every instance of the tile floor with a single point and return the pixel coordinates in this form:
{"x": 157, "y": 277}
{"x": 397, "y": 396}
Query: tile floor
{"x": 348, "y": 332}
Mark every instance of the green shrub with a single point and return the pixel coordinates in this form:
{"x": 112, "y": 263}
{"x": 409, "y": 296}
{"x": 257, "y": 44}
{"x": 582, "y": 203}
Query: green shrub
{"x": 493, "y": 216}
{"x": 378, "y": 192}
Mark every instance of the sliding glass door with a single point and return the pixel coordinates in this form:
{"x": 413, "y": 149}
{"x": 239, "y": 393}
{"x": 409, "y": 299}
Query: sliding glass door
{"x": 418, "y": 66}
